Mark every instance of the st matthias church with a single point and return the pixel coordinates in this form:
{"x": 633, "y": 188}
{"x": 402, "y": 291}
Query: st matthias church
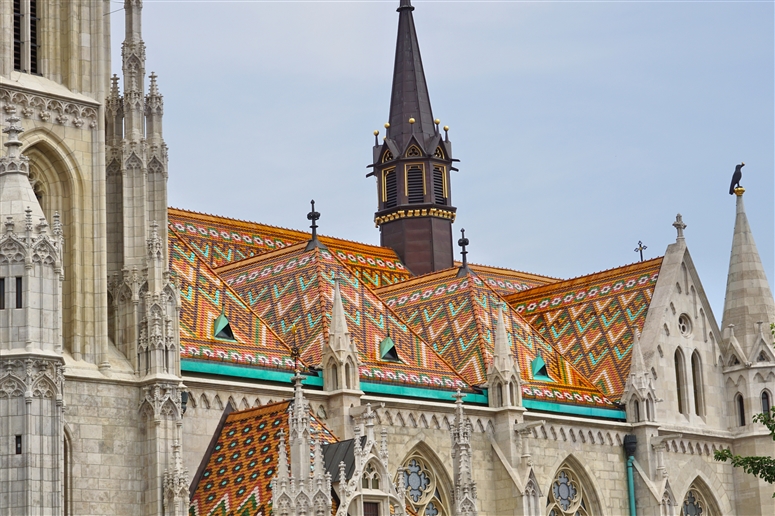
{"x": 156, "y": 360}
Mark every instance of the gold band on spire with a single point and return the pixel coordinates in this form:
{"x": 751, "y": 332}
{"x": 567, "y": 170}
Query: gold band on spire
{"x": 739, "y": 191}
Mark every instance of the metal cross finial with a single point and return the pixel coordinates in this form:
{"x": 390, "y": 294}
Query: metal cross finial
{"x": 463, "y": 242}
{"x": 314, "y": 217}
{"x": 679, "y": 226}
{"x": 640, "y": 249}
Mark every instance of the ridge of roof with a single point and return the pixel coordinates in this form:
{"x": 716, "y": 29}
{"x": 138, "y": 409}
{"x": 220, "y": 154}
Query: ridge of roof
{"x": 230, "y": 289}
{"x": 250, "y": 260}
{"x": 417, "y": 279}
{"x": 587, "y": 278}
{"x": 303, "y": 235}
{"x": 496, "y": 268}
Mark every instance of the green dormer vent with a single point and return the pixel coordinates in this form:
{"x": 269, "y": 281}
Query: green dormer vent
{"x": 387, "y": 350}
{"x": 538, "y": 368}
{"x": 222, "y": 328}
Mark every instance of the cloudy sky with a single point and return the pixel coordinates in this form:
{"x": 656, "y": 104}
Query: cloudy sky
{"x": 582, "y": 127}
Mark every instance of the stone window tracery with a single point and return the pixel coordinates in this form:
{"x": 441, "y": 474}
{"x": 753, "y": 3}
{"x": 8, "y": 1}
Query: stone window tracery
{"x": 694, "y": 504}
{"x": 370, "y": 479}
{"x": 423, "y": 492}
{"x": 566, "y": 495}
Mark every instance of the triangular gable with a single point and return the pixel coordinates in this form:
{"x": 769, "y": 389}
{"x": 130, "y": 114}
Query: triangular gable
{"x": 590, "y": 319}
{"x": 294, "y": 288}
{"x": 457, "y": 315}
{"x": 506, "y": 281}
{"x": 236, "y": 473}
{"x": 205, "y": 299}
{"x": 221, "y": 241}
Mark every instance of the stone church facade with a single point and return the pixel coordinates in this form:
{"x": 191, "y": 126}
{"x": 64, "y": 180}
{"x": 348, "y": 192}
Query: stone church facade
{"x": 161, "y": 361}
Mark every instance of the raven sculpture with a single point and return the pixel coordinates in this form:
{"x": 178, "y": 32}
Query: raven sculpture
{"x": 736, "y": 177}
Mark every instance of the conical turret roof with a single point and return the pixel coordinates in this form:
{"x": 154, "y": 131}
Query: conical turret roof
{"x": 748, "y": 298}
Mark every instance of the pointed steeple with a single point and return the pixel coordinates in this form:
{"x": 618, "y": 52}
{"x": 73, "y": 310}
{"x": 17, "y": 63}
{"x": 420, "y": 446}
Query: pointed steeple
{"x": 409, "y": 98}
{"x": 748, "y": 298}
{"x": 413, "y": 165}
{"x": 503, "y": 360}
{"x": 338, "y": 329}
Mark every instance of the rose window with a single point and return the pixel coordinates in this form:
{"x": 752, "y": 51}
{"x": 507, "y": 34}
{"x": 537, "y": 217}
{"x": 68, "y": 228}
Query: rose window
{"x": 423, "y": 492}
{"x": 566, "y": 495}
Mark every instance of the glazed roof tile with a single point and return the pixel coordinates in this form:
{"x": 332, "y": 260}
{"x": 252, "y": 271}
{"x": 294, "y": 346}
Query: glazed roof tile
{"x": 590, "y": 319}
{"x": 507, "y": 281}
{"x": 295, "y": 286}
{"x": 220, "y": 241}
{"x": 204, "y": 297}
{"x": 240, "y": 467}
{"x": 458, "y": 314}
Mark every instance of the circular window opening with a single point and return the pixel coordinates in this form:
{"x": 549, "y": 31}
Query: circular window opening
{"x": 684, "y": 324}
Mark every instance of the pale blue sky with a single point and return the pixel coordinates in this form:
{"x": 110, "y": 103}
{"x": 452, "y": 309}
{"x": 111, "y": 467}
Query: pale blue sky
{"x": 582, "y": 127}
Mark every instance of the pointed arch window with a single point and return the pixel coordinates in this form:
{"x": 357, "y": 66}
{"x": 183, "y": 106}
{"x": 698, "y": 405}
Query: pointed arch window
{"x": 666, "y": 507}
{"x": 697, "y": 384}
{"x": 370, "y": 478}
{"x": 740, "y": 408}
{"x": 389, "y": 190}
{"x": 25, "y": 36}
{"x": 530, "y": 499}
{"x": 424, "y": 493}
{"x": 566, "y": 495}
{"x": 415, "y": 184}
{"x": 680, "y": 381}
{"x": 766, "y": 403}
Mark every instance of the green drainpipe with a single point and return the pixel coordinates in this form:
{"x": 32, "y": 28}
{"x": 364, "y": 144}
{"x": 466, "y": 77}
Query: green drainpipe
{"x": 630, "y": 441}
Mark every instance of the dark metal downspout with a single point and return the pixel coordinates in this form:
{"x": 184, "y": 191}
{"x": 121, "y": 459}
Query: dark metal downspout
{"x": 630, "y": 442}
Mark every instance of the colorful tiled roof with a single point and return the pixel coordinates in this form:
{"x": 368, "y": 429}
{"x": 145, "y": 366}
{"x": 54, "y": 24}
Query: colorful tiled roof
{"x": 295, "y": 286}
{"x": 220, "y": 241}
{"x": 457, "y": 315}
{"x": 239, "y": 470}
{"x": 204, "y": 297}
{"x": 506, "y": 281}
{"x": 590, "y": 319}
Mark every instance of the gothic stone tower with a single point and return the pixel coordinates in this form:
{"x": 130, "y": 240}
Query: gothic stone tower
{"x": 413, "y": 164}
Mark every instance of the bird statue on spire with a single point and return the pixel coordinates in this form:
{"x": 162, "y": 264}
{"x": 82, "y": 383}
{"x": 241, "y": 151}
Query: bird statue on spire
{"x": 736, "y": 177}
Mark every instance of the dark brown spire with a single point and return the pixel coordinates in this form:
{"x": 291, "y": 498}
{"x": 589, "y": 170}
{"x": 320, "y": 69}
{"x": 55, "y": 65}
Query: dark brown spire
{"x": 409, "y": 98}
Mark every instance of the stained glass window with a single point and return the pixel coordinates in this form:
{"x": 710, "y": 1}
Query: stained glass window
{"x": 423, "y": 491}
{"x": 566, "y": 496}
{"x": 694, "y": 504}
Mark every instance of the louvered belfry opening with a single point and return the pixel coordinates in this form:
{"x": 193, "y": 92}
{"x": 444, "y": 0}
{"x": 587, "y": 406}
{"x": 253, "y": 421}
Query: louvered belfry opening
{"x": 391, "y": 193}
{"x": 34, "y": 21}
{"x": 415, "y": 185}
{"x": 17, "y": 34}
{"x": 439, "y": 195}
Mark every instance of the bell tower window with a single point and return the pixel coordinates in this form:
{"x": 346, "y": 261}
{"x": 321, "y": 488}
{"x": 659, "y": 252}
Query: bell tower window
{"x": 390, "y": 194}
{"x": 415, "y": 184}
{"x": 26, "y": 42}
{"x": 439, "y": 186}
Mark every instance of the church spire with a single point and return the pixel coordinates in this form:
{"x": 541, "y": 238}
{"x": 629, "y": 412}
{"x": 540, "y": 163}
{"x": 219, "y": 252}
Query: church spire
{"x": 412, "y": 165}
{"x": 748, "y": 298}
{"x": 409, "y": 99}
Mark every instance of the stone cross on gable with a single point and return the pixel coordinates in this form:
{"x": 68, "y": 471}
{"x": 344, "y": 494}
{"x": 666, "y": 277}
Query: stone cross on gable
{"x": 679, "y": 226}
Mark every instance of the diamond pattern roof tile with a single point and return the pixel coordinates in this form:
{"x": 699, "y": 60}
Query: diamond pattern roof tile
{"x": 590, "y": 319}
{"x": 220, "y": 241}
{"x": 294, "y": 287}
{"x": 457, "y": 315}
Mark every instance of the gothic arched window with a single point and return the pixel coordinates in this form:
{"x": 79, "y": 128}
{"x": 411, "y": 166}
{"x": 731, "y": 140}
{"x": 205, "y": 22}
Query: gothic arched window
{"x": 766, "y": 403}
{"x": 370, "y": 478}
{"x": 699, "y": 395}
{"x": 694, "y": 504}
{"x": 740, "y": 406}
{"x": 566, "y": 495}
{"x": 530, "y": 499}
{"x": 25, "y": 36}
{"x": 680, "y": 380}
{"x": 423, "y": 491}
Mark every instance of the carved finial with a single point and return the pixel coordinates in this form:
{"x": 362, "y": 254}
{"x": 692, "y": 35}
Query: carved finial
{"x": 153, "y": 89}
{"x": 28, "y": 218}
{"x": 314, "y": 216}
{"x": 42, "y": 226}
{"x": 463, "y": 242}
{"x": 446, "y": 133}
{"x": 57, "y": 225}
{"x": 13, "y": 131}
{"x": 679, "y": 226}
{"x": 114, "y": 86}
{"x": 376, "y": 138}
